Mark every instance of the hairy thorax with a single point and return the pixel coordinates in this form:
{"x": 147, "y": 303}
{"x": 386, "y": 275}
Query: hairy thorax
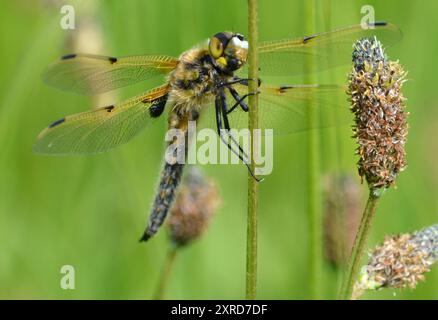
{"x": 193, "y": 82}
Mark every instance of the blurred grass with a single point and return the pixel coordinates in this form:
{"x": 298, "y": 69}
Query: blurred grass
{"x": 90, "y": 211}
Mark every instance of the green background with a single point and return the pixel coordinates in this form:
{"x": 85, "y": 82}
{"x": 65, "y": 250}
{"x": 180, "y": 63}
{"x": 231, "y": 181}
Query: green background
{"x": 89, "y": 212}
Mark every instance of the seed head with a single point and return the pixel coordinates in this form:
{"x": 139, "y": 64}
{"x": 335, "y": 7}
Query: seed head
{"x": 400, "y": 262}
{"x": 380, "y": 119}
{"x": 342, "y": 211}
{"x": 196, "y": 202}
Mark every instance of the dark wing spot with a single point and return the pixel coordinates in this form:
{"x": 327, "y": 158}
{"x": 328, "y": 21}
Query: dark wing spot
{"x": 307, "y": 39}
{"x": 377, "y": 24}
{"x": 157, "y": 107}
{"x": 112, "y": 59}
{"x": 109, "y": 108}
{"x": 68, "y": 56}
{"x": 283, "y": 89}
{"x": 57, "y": 122}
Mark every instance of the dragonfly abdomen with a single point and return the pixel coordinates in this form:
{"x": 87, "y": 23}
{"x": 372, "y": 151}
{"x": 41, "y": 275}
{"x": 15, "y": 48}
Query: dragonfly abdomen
{"x": 169, "y": 181}
{"x": 172, "y": 170}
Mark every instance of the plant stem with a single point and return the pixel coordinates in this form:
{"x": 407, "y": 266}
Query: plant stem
{"x": 314, "y": 192}
{"x": 165, "y": 273}
{"x": 333, "y": 149}
{"x": 251, "y": 245}
{"x": 360, "y": 244}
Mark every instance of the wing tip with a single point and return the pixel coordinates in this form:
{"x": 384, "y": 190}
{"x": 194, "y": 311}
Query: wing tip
{"x": 39, "y": 149}
{"x": 388, "y": 26}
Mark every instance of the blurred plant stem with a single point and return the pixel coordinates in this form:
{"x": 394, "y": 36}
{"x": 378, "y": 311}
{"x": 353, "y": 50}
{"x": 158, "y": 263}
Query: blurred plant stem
{"x": 314, "y": 192}
{"x": 333, "y": 135}
{"x": 251, "y": 245}
{"x": 360, "y": 243}
{"x": 334, "y": 146}
{"x": 165, "y": 273}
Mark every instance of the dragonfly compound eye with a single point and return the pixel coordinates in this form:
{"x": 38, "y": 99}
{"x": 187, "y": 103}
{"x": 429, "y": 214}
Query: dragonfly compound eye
{"x": 216, "y": 48}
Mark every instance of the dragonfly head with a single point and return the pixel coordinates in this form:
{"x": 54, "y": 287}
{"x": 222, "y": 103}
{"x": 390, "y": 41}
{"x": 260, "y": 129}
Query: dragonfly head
{"x": 228, "y": 50}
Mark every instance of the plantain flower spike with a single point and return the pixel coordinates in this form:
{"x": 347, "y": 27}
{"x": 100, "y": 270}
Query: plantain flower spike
{"x": 196, "y": 203}
{"x": 377, "y": 103}
{"x": 400, "y": 262}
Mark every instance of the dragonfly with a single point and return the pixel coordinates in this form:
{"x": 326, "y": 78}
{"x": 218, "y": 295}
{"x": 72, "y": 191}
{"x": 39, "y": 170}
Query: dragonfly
{"x": 207, "y": 81}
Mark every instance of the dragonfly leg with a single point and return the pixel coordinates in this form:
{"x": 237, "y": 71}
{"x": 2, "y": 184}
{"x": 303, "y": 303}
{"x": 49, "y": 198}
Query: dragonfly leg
{"x": 239, "y": 100}
{"x": 220, "y": 130}
{"x": 234, "y": 81}
{"x": 243, "y": 81}
{"x": 221, "y": 110}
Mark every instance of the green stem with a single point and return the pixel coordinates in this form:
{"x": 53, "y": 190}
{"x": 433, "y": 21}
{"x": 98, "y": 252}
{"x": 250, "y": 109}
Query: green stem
{"x": 251, "y": 245}
{"x": 360, "y": 244}
{"x": 333, "y": 150}
{"x": 165, "y": 273}
{"x": 314, "y": 192}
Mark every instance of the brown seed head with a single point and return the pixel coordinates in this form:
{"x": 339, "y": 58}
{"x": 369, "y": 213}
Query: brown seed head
{"x": 380, "y": 119}
{"x": 401, "y": 261}
{"x": 342, "y": 212}
{"x": 197, "y": 201}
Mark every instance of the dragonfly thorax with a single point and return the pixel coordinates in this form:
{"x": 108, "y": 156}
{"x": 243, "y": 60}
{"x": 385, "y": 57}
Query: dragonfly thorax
{"x": 195, "y": 80}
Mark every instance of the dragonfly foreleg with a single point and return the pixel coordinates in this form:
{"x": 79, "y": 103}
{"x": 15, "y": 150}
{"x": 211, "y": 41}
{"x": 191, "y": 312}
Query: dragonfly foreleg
{"x": 239, "y": 100}
{"x": 243, "y": 81}
{"x": 221, "y": 110}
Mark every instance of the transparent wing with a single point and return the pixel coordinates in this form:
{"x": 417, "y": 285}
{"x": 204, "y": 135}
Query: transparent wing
{"x": 101, "y": 129}
{"x": 286, "y": 109}
{"x": 93, "y": 74}
{"x": 329, "y": 49}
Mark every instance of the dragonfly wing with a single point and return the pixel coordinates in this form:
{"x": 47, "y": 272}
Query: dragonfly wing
{"x": 327, "y": 50}
{"x": 101, "y": 129}
{"x": 93, "y": 74}
{"x": 286, "y": 109}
